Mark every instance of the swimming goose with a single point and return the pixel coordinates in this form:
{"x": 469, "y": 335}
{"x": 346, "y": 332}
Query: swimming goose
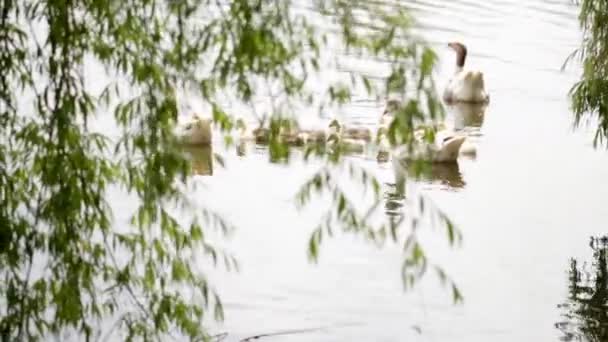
{"x": 444, "y": 149}
{"x": 465, "y": 85}
{"x": 347, "y": 143}
{"x": 195, "y": 130}
{"x": 243, "y": 131}
{"x": 383, "y": 144}
{"x": 357, "y": 133}
{"x": 243, "y": 138}
{"x": 290, "y": 136}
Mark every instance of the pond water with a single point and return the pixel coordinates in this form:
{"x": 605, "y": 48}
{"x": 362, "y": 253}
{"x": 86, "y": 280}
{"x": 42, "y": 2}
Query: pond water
{"x": 528, "y": 202}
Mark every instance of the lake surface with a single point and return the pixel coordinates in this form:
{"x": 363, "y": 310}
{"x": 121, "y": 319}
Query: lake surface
{"x": 531, "y": 200}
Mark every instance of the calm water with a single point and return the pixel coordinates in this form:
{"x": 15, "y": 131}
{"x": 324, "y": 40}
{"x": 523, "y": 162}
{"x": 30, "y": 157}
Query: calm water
{"x": 529, "y": 202}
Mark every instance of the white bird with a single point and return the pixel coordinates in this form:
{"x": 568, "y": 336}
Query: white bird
{"x": 465, "y": 85}
{"x": 444, "y": 149}
{"x": 195, "y": 130}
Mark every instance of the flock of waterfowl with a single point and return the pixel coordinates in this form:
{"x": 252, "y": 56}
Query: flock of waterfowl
{"x": 464, "y": 87}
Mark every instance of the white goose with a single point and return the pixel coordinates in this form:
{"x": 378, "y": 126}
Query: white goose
{"x": 291, "y": 136}
{"x": 312, "y": 132}
{"x": 246, "y": 134}
{"x": 195, "y": 130}
{"x": 192, "y": 129}
{"x": 465, "y": 85}
{"x": 444, "y": 149}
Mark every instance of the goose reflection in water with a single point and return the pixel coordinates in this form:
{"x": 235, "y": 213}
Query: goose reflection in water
{"x": 585, "y": 312}
{"x": 447, "y": 174}
{"x": 201, "y": 159}
{"x": 467, "y": 114}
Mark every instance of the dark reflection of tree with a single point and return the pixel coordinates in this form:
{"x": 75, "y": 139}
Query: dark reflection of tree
{"x": 393, "y": 201}
{"x": 586, "y": 310}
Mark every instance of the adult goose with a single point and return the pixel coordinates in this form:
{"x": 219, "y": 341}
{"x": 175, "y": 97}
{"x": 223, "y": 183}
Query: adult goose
{"x": 444, "y": 149}
{"x": 195, "y": 130}
{"x": 466, "y": 85}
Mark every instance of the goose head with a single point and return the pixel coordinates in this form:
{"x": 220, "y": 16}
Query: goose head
{"x": 450, "y": 148}
{"x": 196, "y": 131}
{"x": 392, "y": 106}
{"x": 335, "y": 126}
{"x": 461, "y": 53}
{"x": 453, "y": 141}
{"x": 197, "y": 124}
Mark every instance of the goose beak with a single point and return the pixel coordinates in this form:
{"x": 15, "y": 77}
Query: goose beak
{"x": 455, "y": 142}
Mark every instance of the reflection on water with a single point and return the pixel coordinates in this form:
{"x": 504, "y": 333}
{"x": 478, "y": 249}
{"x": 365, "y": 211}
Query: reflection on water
{"x": 393, "y": 201}
{"x": 467, "y": 119}
{"x": 467, "y": 114}
{"x": 201, "y": 159}
{"x": 243, "y": 148}
{"x": 586, "y": 310}
{"x": 515, "y": 181}
{"x": 447, "y": 174}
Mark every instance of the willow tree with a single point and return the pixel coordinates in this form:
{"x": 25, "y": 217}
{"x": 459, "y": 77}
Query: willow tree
{"x": 590, "y": 94}
{"x": 584, "y": 317}
{"x": 66, "y": 264}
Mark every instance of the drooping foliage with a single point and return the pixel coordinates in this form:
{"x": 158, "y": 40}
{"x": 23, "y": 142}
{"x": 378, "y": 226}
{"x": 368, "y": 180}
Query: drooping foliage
{"x": 589, "y": 99}
{"x": 67, "y": 265}
{"x": 584, "y": 317}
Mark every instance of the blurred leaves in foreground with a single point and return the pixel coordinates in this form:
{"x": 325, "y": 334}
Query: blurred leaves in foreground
{"x": 68, "y": 267}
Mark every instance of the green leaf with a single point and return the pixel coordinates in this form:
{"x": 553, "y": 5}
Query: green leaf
{"x": 179, "y": 270}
